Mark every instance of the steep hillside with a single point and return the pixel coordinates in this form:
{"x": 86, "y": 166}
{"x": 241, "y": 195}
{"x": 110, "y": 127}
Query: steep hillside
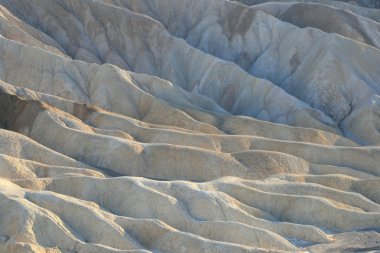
{"x": 189, "y": 126}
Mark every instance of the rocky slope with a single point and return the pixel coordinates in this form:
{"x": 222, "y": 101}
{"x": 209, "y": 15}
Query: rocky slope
{"x": 189, "y": 126}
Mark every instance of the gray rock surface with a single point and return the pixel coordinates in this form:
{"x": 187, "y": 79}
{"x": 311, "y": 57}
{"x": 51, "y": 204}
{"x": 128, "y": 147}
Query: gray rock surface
{"x": 189, "y": 126}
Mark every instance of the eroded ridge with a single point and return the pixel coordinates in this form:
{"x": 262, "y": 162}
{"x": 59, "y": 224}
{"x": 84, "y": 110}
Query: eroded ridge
{"x": 189, "y": 126}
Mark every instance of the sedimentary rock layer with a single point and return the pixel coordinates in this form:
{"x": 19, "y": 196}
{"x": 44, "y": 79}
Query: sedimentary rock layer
{"x": 189, "y": 126}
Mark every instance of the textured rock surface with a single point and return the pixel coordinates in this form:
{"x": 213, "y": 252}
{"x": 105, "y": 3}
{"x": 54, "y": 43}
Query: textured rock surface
{"x": 189, "y": 126}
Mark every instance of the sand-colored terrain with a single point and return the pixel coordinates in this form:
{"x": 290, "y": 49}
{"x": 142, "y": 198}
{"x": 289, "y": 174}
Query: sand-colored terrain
{"x": 189, "y": 126}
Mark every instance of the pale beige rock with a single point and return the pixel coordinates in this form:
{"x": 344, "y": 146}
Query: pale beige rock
{"x": 188, "y": 126}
